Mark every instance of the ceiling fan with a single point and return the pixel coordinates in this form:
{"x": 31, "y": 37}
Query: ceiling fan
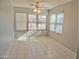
{"x": 37, "y": 7}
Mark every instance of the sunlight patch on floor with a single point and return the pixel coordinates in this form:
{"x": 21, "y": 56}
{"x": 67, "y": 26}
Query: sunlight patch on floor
{"x": 26, "y": 36}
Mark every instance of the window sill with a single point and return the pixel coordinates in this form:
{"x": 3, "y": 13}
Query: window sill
{"x": 56, "y": 32}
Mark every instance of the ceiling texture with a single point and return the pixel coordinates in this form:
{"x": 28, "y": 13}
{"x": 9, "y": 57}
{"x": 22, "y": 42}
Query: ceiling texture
{"x": 46, "y": 4}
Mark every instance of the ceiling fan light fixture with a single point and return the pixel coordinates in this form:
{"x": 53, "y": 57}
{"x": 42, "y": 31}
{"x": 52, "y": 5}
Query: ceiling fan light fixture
{"x": 38, "y": 11}
{"x": 35, "y": 10}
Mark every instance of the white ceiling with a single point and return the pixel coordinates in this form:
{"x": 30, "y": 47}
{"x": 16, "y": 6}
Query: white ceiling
{"x": 44, "y": 3}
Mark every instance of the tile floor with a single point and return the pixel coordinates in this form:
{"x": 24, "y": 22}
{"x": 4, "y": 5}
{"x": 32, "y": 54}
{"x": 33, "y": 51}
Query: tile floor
{"x": 40, "y": 48}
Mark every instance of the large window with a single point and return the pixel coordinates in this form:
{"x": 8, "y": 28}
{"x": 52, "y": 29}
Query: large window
{"x": 59, "y": 22}
{"x": 56, "y": 22}
{"x": 52, "y": 22}
{"x": 41, "y": 22}
{"x": 41, "y": 26}
{"x": 31, "y": 22}
{"x": 21, "y": 20}
{"x": 31, "y": 26}
{"x": 31, "y": 18}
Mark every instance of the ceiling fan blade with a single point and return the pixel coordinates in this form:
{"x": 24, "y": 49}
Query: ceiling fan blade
{"x": 39, "y": 5}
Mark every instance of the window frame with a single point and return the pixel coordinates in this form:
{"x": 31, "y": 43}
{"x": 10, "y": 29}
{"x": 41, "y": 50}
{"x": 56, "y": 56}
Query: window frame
{"x": 31, "y": 22}
{"x": 59, "y": 23}
{"x": 15, "y": 21}
{"x": 56, "y": 23}
{"x": 42, "y": 22}
{"x": 27, "y": 22}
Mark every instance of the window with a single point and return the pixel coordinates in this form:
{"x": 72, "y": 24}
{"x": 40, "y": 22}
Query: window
{"x": 41, "y": 22}
{"x": 52, "y": 22}
{"x": 41, "y": 26}
{"x": 56, "y": 22}
{"x": 42, "y": 18}
{"x": 31, "y": 22}
{"x": 21, "y": 20}
{"x": 31, "y": 18}
{"x": 31, "y": 26}
{"x": 59, "y": 22}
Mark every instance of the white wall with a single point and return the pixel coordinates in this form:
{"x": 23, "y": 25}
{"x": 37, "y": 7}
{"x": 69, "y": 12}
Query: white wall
{"x": 68, "y": 37}
{"x": 78, "y": 29}
{"x": 6, "y": 26}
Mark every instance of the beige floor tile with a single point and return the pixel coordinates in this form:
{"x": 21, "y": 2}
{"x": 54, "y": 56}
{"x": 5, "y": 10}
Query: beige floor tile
{"x": 41, "y": 48}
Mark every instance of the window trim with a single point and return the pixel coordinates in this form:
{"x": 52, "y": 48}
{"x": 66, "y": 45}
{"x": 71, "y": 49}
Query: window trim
{"x": 57, "y": 23}
{"x": 42, "y": 22}
{"x": 53, "y": 23}
{"x": 16, "y": 21}
{"x": 27, "y": 15}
